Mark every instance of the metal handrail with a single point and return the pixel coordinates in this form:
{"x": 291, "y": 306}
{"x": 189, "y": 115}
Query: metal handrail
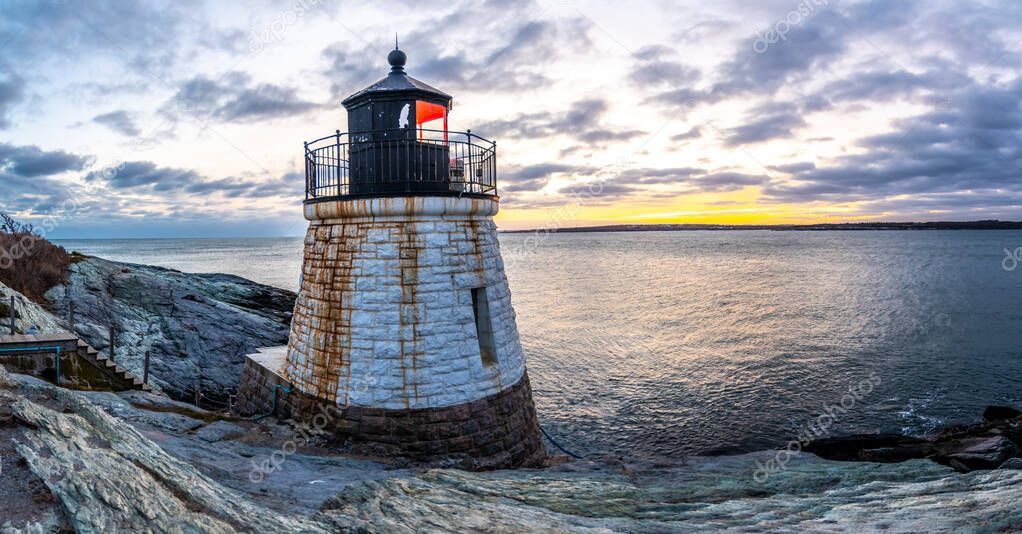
{"x": 40, "y": 349}
{"x": 400, "y": 162}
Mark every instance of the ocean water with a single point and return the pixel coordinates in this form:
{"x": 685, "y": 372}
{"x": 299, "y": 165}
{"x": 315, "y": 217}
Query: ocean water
{"x": 662, "y": 344}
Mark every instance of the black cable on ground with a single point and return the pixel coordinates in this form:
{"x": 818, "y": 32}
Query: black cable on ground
{"x": 558, "y": 445}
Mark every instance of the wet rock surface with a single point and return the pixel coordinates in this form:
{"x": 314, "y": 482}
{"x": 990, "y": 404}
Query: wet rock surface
{"x": 985, "y": 445}
{"x": 1000, "y": 413}
{"x": 196, "y": 328}
{"x": 109, "y": 462}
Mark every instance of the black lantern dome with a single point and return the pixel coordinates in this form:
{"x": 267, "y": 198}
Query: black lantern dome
{"x": 390, "y": 94}
{"x": 388, "y": 151}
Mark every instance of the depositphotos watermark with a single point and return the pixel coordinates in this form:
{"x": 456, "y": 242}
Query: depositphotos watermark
{"x": 317, "y": 425}
{"x": 558, "y": 217}
{"x": 779, "y": 32}
{"x": 816, "y": 428}
{"x": 303, "y": 434}
{"x": 275, "y": 31}
{"x": 1011, "y": 259}
{"x": 26, "y": 244}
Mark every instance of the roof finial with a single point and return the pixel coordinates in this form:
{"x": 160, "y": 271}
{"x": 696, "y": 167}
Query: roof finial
{"x": 396, "y": 58}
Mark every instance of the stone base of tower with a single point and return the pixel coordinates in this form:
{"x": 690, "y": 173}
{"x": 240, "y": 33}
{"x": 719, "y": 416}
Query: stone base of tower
{"x": 495, "y": 432}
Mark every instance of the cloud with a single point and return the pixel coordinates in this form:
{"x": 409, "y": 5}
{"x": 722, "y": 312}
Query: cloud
{"x": 144, "y": 37}
{"x": 604, "y": 193}
{"x": 509, "y": 65}
{"x": 668, "y": 175}
{"x": 952, "y": 153}
{"x": 24, "y": 194}
{"x": 728, "y": 181}
{"x": 499, "y": 49}
{"x": 236, "y": 98}
{"x": 148, "y": 177}
{"x": 689, "y": 179}
{"x": 119, "y": 121}
{"x": 807, "y": 47}
{"x": 910, "y": 106}
{"x": 264, "y": 101}
{"x": 887, "y": 85}
{"x": 694, "y": 132}
{"x": 32, "y": 161}
{"x": 655, "y": 66}
{"x": 289, "y": 185}
{"x": 811, "y": 46}
{"x": 351, "y": 71}
{"x": 794, "y": 168}
{"x": 27, "y": 177}
{"x": 133, "y": 174}
{"x": 12, "y": 91}
{"x": 581, "y": 121}
{"x": 535, "y": 177}
{"x": 776, "y": 126}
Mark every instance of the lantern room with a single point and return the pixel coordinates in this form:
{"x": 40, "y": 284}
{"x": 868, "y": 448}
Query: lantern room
{"x": 397, "y": 106}
{"x": 398, "y": 144}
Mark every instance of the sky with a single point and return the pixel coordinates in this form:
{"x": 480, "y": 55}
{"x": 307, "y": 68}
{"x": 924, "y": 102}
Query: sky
{"x": 186, "y": 118}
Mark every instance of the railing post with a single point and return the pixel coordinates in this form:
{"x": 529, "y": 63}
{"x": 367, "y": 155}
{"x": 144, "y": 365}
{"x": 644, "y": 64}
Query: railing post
{"x": 145, "y": 371}
{"x": 337, "y": 156}
{"x": 469, "y": 172}
{"x": 493, "y": 165}
{"x": 308, "y": 173}
{"x": 112, "y": 339}
{"x": 70, "y": 306}
{"x": 12, "y": 314}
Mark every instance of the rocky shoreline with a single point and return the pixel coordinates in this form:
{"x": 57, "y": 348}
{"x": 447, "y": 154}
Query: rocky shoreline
{"x": 137, "y": 461}
{"x": 196, "y": 328}
{"x": 100, "y": 461}
{"x": 994, "y": 443}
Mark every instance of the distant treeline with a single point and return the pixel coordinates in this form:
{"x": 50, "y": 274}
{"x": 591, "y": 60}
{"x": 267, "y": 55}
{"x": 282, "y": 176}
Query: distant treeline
{"x": 940, "y": 225}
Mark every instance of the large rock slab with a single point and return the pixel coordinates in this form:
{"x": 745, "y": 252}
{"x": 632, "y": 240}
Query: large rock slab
{"x": 1000, "y": 413}
{"x": 979, "y": 452}
{"x": 196, "y": 328}
{"x": 985, "y": 445}
{"x": 110, "y": 478}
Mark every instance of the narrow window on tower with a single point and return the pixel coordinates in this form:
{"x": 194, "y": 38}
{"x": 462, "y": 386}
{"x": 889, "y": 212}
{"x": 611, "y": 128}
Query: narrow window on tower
{"x": 484, "y": 327}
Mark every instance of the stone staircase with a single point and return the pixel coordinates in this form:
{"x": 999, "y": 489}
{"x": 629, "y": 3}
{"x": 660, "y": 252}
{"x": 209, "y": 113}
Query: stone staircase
{"x": 80, "y": 364}
{"x": 98, "y": 359}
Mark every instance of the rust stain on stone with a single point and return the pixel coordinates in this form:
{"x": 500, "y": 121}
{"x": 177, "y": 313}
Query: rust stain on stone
{"x": 336, "y": 354}
{"x": 408, "y": 310}
{"x": 320, "y": 345}
{"x": 442, "y": 245}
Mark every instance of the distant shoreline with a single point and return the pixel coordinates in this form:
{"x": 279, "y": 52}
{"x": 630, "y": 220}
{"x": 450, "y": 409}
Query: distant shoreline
{"x": 872, "y": 226}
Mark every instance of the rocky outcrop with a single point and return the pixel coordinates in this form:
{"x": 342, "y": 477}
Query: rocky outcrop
{"x": 1000, "y": 413}
{"x": 110, "y": 478}
{"x": 138, "y": 462}
{"x": 29, "y": 317}
{"x": 986, "y": 445}
{"x": 196, "y": 328}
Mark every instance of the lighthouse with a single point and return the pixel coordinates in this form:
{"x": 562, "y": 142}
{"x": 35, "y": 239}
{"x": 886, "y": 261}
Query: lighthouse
{"x": 403, "y": 323}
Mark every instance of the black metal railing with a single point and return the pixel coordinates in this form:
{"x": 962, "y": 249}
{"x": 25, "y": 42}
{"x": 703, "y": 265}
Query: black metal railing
{"x": 400, "y": 162}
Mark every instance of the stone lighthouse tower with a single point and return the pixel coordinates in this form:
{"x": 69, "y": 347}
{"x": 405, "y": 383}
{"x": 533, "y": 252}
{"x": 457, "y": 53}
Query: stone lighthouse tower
{"x": 404, "y": 321}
